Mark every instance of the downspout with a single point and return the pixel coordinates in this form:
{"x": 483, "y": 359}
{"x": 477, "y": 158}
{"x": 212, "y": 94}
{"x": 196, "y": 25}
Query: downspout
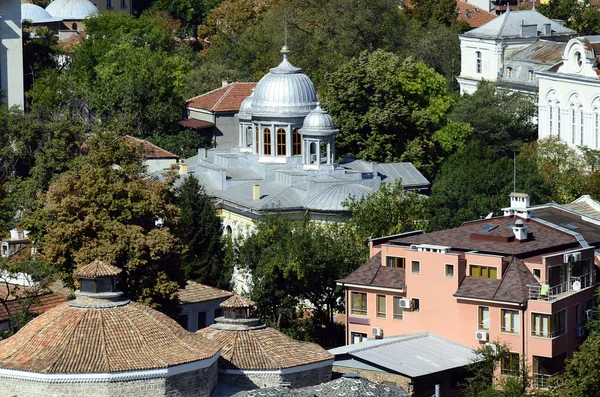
{"x": 347, "y": 317}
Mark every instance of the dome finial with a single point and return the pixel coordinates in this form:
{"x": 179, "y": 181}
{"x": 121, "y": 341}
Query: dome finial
{"x": 285, "y": 51}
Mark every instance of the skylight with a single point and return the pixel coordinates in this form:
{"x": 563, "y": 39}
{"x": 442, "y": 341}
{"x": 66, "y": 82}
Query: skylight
{"x": 488, "y": 228}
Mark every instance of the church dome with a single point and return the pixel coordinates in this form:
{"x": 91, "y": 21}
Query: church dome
{"x": 332, "y": 199}
{"x": 318, "y": 123}
{"x": 72, "y": 9}
{"x": 36, "y": 14}
{"x": 284, "y": 92}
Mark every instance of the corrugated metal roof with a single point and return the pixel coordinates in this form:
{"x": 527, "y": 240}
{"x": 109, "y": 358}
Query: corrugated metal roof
{"x": 411, "y": 355}
{"x": 509, "y": 25}
{"x": 406, "y": 171}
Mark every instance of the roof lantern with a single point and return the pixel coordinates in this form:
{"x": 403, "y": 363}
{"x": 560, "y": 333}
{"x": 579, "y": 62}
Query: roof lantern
{"x": 284, "y": 92}
{"x": 318, "y": 123}
{"x": 72, "y": 9}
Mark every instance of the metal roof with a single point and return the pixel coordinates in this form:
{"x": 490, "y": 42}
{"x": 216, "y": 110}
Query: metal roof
{"x": 411, "y": 355}
{"x": 407, "y": 172}
{"x": 36, "y": 14}
{"x": 509, "y": 25}
{"x": 333, "y": 198}
{"x": 72, "y": 9}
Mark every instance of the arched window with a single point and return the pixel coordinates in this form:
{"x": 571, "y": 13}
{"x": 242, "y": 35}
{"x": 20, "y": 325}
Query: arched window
{"x": 581, "y": 125}
{"x": 596, "y": 125}
{"x": 249, "y": 136}
{"x": 509, "y": 72}
{"x": 267, "y": 142}
{"x": 479, "y": 61}
{"x": 558, "y": 119}
{"x": 550, "y": 118}
{"x": 297, "y": 142}
{"x": 573, "y": 123}
{"x": 228, "y": 230}
{"x": 256, "y": 150}
{"x": 281, "y": 142}
{"x": 531, "y": 75}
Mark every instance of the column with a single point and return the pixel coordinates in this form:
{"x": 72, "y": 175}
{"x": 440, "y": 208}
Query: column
{"x": 329, "y": 152}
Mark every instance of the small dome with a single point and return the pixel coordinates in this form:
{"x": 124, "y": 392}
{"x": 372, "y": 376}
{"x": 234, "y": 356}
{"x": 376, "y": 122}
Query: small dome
{"x": 318, "y": 123}
{"x": 332, "y": 199}
{"x": 245, "y": 107}
{"x": 72, "y": 9}
{"x": 97, "y": 269}
{"x": 36, "y": 14}
{"x": 237, "y": 302}
{"x": 284, "y": 92}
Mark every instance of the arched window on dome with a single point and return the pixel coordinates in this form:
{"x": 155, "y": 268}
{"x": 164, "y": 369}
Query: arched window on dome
{"x": 267, "y": 142}
{"x": 509, "y": 72}
{"x": 297, "y": 142}
{"x": 479, "y": 62}
{"x": 281, "y": 142}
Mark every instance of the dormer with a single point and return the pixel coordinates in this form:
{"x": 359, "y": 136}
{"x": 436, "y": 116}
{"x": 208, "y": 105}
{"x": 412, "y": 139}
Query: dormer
{"x": 579, "y": 58}
{"x": 519, "y": 206}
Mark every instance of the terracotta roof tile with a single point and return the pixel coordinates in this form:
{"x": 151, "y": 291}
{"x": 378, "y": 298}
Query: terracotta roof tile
{"x": 195, "y": 292}
{"x": 148, "y": 149}
{"x": 473, "y": 15}
{"x": 372, "y": 273}
{"x": 97, "y": 269}
{"x": 263, "y": 349}
{"x": 224, "y": 99}
{"x": 42, "y": 303}
{"x": 237, "y": 302}
{"x": 123, "y": 338}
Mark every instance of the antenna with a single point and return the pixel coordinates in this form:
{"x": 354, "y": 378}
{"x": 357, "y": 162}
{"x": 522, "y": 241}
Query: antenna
{"x": 514, "y": 172}
{"x": 285, "y": 29}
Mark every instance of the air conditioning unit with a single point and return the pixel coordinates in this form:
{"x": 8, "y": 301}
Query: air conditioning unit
{"x": 481, "y": 336}
{"x": 377, "y": 331}
{"x": 579, "y": 331}
{"x": 493, "y": 347}
{"x": 405, "y": 303}
{"x": 589, "y": 314}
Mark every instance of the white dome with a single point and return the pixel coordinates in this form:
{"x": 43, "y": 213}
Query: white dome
{"x": 36, "y": 14}
{"x": 284, "y": 92}
{"x": 244, "y": 113}
{"x": 72, "y": 9}
{"x": 318, "y": 123}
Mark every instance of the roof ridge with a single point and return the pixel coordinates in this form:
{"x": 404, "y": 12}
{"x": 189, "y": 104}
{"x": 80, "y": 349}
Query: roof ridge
{"x": 206, "y": 93}
{"x": 220, "y": 100}
{"x": 503, "y": 278}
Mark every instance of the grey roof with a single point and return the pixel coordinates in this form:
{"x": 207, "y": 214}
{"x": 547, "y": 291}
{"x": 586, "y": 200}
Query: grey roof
{"x": 410, "y": 355}
{"x": 407, "y": 172}
{"x": 36, "y": 14}
{"x": 333, "y": 198}
{"x": 318, "y": 123}
{"x": 509, "y": 25}
{"x": 72, "y": 9}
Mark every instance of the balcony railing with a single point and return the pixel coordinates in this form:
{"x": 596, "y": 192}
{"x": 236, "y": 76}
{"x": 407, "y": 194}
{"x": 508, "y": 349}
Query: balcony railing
{"x": 541, "y": 380}
{"x": 550, "y": 293}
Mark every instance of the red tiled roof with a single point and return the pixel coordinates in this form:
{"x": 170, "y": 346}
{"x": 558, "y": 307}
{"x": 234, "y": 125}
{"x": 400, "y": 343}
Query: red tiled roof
{"x": 473, "y": 15}
{"x": 195, "y": 292}
{"x": 97, "y": 269}
{"x": 263, "y": 349}
{"x": 41, "y": 304}
{"x": 148, "y": 149}
{"x": 224, "y": 99}
{"x": 237, "y": 302}
{"x": 123, "y": 338}
{"x": 196, "y": 124}
{"x": 373, "y": 274}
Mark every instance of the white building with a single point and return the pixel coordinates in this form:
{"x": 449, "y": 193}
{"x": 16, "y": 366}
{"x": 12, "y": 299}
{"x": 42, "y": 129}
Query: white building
{"x": 569, "y": 95}
{"x": 11, "y": 53}
{"x": 485, "y": 51}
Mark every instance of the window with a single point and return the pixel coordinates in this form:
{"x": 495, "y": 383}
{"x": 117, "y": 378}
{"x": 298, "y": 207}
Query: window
{"x": 359, "y": 303}
{"x": 87, "y": 285}
{"x": 398, "y": 310}
{"x": 483, "y": 271}
{"x": 479, "y": 62}
{"x": 297, "y": 142}
{"x": 531, "y": 75}
{"x": 416, "y": 305}
{"x": 396, "y": 262}
{"x": 109, "y": 4}
{"x": 537, "y": 273}
{"x": 381, "y": 306}
{"x": 123, "y": 3}
{"x": 484, "y": 318}
{"x": 550, "y": 117}
{"x": 581, "y": 125}
{"x": 201, "y": 320}
{"x": 415, "y": 267}
{"x": 558, "y": 119}
{"x": 510, "y": 321}
{"x": 509, "y": 72}
{"x": 357, "y": 337}
{"x": 577, "y": 314}
{"x": 589, "y": 304}
{"x": 449, "y": 270}
{"x": 548, "y": 326}
{"x": 559, "y": 323}
{"x": 104, "y": 285}
{"x": 596, "y": 125}
{"x": 267, "y": 142}
{"x": 183, "y": 320}
{"x": 510, "y": 364}
{"x": 256, "y": 140}
{"x": 573, "y": 124}
{"x": 281, "y": 142}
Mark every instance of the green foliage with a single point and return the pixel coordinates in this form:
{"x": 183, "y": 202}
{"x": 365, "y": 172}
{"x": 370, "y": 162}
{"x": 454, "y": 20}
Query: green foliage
{"x": 293, "y": 261}
{"x": 381, "y": 102}
{"x": 500, "y": 119}
{"x": 387, "y": 211}
{"x": 104, "y": 208}
{"x": 185, "y": 144}
{"x": 579, "y": 15}
{"x": 476, "y": 181}
{"x": 190, "y": 12}
{"x": 433, "y": 11}
{"x": 582, "y": 374}
{"x": 40, "y": 52}
{"x": 202, "y": 234}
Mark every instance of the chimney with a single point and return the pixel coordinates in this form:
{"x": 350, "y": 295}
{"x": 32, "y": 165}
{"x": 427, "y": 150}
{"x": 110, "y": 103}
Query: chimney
{"x": 255, "y": 192}
{"x": 183, "y": 169}
{"x": 519, "y": 206}
{"x": 529, "y": 30}
{"x": 520, "y": 230}
{"x": 15, "y": 234}
{"x": 547, "y": 29}
{"x": 224, "y": 82}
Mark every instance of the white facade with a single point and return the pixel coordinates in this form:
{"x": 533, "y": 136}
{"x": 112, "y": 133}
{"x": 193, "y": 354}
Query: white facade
{"x": 569, "y": 96}
{"x": 11, "y": 53}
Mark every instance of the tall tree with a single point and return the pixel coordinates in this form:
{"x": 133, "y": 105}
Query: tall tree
{"x": 202, "y": 234}
{"x": 581, "y": 377}
{"x": 103, "y": 207}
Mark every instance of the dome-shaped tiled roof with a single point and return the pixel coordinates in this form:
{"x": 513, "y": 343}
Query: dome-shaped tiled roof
{"x": 331, "y": 199}
{"x": 97, "y": 269}
{"x": 318, "y": 123}
{"x": 129, "y": 337}
{"x": 284, "y": 92}
{"x": 262, "y": 349}
{"x": 237, "y": 302}
{"x": 72, "y": 9}
{"x": 245, "y": 107}
{"x": 36, "y": 14}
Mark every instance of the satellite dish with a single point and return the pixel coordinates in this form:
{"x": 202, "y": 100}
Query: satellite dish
{"x": 576, "y": 286}
{"x": 490, "y": 215}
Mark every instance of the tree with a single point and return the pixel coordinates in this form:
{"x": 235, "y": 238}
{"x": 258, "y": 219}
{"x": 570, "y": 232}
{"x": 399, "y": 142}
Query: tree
{"x": 381, "y": 102}
{"x": 581, "y": 377}
{"x": 191, "y": 13}
{"x": 387, "y": 211}
{"x": 476, "y": 181}
{"x": 202, "y": 234}
{"x": 500, "y": 119}
{"x": 433, "y": 11}
{"x": 103, "y": 207}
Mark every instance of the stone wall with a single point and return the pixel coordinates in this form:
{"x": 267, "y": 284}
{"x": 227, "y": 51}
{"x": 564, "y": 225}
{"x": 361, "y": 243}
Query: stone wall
{"x": 381, "y": 377}
{"x": 308, "y": 378}
{"x": 265, "y": 379}
{"x": 198, "y": 383}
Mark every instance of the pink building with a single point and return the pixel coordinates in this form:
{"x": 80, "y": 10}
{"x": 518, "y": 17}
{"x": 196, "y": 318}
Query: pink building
{"x": 520, "y": 280}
